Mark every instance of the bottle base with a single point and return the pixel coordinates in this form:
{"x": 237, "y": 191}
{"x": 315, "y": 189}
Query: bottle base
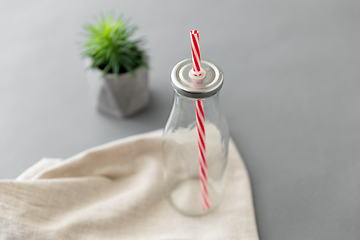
{"x": 185, "y": 197}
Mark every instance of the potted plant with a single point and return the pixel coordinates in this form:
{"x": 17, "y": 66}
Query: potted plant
{"x": 117, "y": 67}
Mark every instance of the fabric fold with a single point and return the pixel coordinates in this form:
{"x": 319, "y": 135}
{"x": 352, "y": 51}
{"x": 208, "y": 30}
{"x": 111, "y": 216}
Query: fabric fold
{"x": 114, "y": 191}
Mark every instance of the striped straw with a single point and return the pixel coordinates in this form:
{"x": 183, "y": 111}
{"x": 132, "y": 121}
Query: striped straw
{"x": 200, "y": 120}
{"x": 198, "y": 74}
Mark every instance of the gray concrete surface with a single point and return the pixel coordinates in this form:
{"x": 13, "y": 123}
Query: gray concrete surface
{"x": 291, "y": 95}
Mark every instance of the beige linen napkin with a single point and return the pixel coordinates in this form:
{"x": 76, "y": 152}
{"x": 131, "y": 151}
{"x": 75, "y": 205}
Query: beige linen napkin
{"x": 115, "y": 192}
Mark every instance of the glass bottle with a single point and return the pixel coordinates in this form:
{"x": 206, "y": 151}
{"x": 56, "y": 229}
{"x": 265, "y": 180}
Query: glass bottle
{"x": 180, "y": 140}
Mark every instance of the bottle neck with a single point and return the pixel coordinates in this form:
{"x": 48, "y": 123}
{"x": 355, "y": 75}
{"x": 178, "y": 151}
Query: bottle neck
{"x": 213, "y": 100}
{"x": 184, "y": 108}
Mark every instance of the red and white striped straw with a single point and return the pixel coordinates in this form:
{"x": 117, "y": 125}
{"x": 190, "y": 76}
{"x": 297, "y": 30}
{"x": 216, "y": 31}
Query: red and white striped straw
{"x": 195, "y": 53}
{"x": 200, "y": 120}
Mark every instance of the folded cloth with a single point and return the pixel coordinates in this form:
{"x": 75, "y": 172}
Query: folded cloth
{"x": 115, "y": 192}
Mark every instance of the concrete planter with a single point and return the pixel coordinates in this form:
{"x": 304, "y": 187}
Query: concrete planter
{"x": 124, "y": 96}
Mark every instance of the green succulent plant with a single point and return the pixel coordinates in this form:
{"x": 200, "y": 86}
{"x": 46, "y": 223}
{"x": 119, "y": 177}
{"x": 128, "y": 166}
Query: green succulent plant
{"x": 109, "y": 47}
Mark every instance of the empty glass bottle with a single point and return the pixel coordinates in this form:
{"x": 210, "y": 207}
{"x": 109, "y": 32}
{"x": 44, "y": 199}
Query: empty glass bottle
{"x": 180, "y": 140}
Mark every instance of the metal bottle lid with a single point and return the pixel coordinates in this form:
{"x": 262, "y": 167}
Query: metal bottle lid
{"x": 188, "y": 87}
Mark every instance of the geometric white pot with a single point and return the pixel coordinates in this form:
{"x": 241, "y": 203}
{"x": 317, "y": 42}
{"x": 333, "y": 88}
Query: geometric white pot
{"x": 124, "y": 96}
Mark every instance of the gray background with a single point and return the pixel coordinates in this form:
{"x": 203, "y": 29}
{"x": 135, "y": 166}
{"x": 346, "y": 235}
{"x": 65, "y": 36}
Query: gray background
{"x": 291, "y": 95}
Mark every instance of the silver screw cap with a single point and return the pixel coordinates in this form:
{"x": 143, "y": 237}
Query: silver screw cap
{"x": 210, "y": 85}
